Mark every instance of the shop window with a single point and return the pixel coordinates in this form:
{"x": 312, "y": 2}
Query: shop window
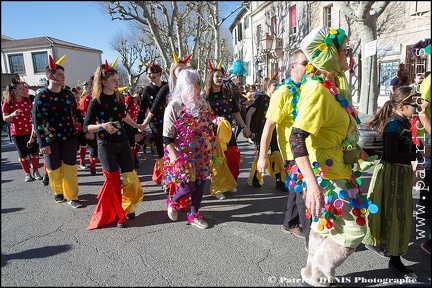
{"x": 387, "y": 71}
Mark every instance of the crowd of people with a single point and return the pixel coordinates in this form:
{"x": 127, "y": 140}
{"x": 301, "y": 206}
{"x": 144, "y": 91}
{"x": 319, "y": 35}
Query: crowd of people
{"x": 305, "y": 130}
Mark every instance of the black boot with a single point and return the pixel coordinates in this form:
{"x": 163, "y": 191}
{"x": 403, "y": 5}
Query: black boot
{"x": 255, "y": 182}
{"x": 397, "y": 267}
{"x": 280, "y": 185}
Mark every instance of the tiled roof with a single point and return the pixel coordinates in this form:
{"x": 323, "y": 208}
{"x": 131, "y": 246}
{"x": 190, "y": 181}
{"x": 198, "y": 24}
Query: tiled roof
{"x": 44, "y": 41}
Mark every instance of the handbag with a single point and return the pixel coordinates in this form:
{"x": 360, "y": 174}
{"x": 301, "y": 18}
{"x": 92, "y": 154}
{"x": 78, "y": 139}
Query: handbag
{"x": 351, "y": 155}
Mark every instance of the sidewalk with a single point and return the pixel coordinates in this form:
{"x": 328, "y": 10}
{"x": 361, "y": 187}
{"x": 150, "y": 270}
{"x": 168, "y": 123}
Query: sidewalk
{"x": 46, "y": 244}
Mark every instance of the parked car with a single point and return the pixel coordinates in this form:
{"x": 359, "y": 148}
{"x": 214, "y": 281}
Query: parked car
{"x": 368, "y": 138}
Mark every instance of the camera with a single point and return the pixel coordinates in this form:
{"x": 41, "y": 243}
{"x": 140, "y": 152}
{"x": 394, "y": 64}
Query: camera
{"x": 116, "y": 124}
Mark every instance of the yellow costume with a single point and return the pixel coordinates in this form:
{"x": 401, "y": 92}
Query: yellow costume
{"x": 222, "y": 179}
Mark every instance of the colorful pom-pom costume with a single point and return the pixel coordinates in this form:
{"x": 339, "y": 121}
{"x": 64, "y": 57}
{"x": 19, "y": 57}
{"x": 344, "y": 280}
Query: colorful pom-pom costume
{"x": 189, "y": 145}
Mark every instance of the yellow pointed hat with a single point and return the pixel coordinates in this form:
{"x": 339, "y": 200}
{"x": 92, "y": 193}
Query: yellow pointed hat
{"x": 114, "y": 63}
{"x": 122, "y": 89}
{"x": 175, "y": 58}
{"x": 219, "y": 66}
{"x": 61, "y": 60}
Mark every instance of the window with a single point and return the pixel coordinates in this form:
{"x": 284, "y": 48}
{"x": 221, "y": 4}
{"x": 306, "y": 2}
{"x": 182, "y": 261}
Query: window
{"x": 293, "y": 20}
{"x": 259, "y": 36}
{"x": 16, "y": 63}
{"x": 239, "y": 32}
{"x": 246, "y": 22}
{"x": 387, "y": 72}
{"x": 419, "y": 7}
{"x": 273, "y": 27}
{"x": 328, "y": 16}
{"x": 40, "y": 62}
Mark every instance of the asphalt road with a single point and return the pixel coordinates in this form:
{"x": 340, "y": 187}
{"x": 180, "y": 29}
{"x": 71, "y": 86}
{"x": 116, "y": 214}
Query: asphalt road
{"x": 44, "y": 243}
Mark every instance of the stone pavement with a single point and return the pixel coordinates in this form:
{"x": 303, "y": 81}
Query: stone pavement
{"x": 46, "y": 244}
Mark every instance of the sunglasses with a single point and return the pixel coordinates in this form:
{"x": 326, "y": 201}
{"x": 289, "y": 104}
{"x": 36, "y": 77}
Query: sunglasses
{"x": 304, "y": 63}
{"x": 347, "y": 51}
{"x": 411, "y": 99}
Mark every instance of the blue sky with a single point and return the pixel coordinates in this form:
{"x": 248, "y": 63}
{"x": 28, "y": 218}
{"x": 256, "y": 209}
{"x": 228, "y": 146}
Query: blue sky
{"x": 83, "y": 23}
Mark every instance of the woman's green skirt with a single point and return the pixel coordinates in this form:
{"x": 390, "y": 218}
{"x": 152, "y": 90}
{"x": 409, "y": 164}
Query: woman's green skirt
{"x": 391, "y": 190}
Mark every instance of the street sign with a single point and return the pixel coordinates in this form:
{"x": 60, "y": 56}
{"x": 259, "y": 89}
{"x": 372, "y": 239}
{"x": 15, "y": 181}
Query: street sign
{"x": 370, "y": 48}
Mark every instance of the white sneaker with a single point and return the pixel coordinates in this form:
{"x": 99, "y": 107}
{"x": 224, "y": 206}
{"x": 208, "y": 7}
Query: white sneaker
{"x": 219, "y": 196}
{"x": 83, "y": 167}
{"x": 233, "y": 190}
{"x": 196, "y": 220}
{"x": 37, "y": 175}
{"x": 200, "y": 223}
{"x": 172, "y": 212}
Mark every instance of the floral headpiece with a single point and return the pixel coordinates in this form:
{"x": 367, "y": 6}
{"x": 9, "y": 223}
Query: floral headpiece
{"x": 321, "y": 47}
{"x": 334, "y": 36}
{"x": 309, "y": 68}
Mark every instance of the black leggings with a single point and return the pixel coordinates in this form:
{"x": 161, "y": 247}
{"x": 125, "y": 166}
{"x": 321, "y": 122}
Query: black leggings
{"x": 21, "y": 146}
{"x": 157, "y": 134}
{"x": 92, "y": 146}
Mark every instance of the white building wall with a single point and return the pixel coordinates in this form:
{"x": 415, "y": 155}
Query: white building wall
{"x": 79, "y": 64}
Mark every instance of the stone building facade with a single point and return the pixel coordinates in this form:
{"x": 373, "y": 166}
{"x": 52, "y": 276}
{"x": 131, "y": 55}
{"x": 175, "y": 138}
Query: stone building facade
{"x": 399, "y": 27}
